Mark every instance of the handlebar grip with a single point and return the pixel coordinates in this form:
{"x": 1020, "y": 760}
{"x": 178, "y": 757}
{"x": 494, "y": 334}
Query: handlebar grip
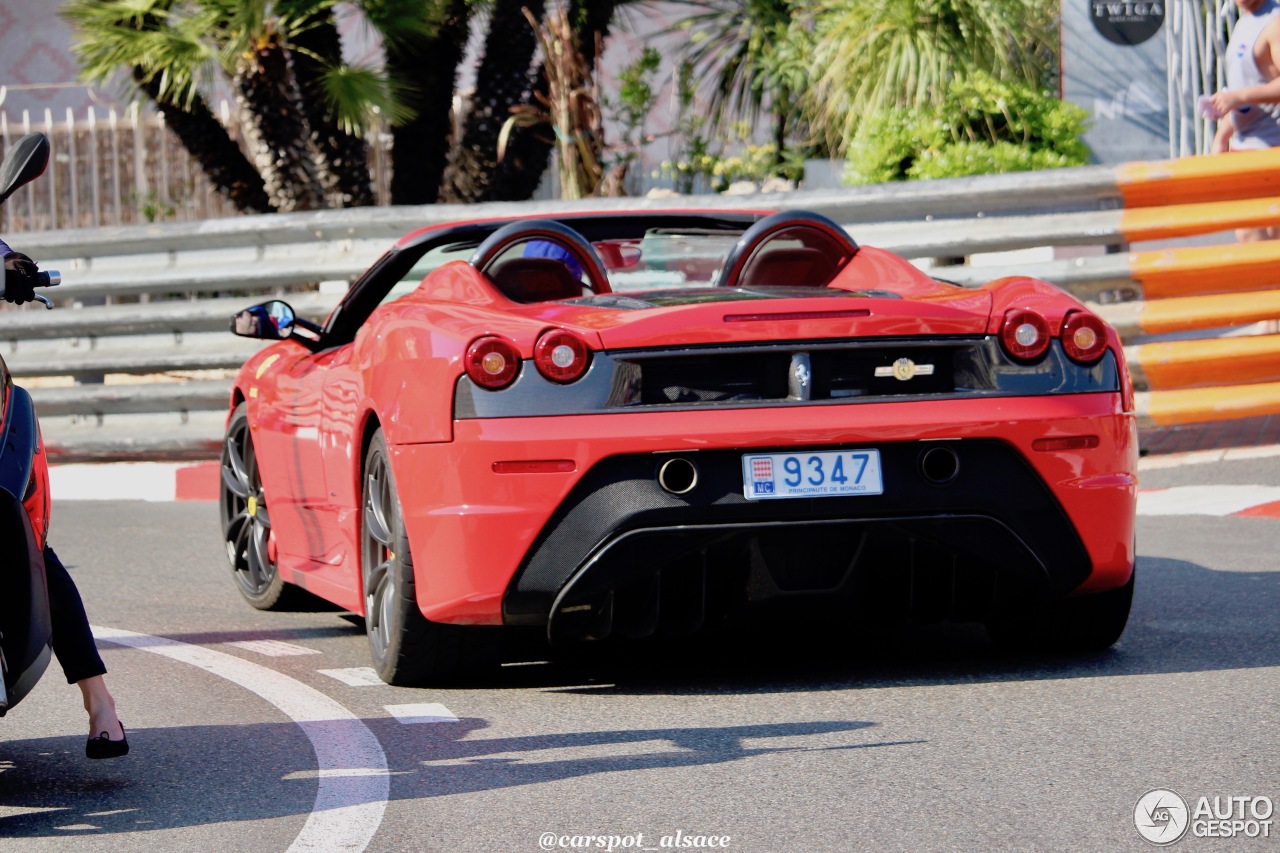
{"x": 48, "y": 278}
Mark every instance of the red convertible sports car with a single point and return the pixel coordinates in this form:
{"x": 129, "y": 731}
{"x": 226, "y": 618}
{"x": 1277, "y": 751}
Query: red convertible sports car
{"x": 627, "y": 424}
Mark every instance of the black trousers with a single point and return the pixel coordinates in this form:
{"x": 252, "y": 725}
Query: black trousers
{"x": 72, "y": 640}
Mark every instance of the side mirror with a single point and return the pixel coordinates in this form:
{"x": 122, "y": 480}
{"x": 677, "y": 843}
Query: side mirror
{"x": 270, "y": 321}
{"x": 23, "y": 163}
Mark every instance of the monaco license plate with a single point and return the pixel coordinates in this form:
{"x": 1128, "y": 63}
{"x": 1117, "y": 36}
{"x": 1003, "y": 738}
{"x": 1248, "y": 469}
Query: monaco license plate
{"x": 811, "y": 475}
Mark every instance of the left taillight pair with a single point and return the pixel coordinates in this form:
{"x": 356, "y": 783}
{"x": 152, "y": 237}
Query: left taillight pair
{"x": 494, "y": 363}
{"x": 1026, "y": 335}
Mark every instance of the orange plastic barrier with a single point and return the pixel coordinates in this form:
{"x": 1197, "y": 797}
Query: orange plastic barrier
{"x": 1207, "y": 269}
{"x": 1184, "y": 313}
{"x": 1196, "y": 405}
{"x": 1238, "y": 175}
{"x": 1208, "y": 362}
{"x": 1184, "y": 220}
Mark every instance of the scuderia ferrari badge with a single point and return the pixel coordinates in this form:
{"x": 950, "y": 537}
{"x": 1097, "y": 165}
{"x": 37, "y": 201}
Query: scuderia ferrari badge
{"x": 904, "y": 369}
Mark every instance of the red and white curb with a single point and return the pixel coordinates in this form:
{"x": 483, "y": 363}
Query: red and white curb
{"x": 135, "y": 481}
{"x": 1244, "y": 501}
{"x": 163, "y": 481}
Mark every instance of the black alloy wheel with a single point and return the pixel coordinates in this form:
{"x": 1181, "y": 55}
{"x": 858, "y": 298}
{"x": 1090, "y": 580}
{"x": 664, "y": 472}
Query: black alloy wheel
{"x": 246, "y": 521}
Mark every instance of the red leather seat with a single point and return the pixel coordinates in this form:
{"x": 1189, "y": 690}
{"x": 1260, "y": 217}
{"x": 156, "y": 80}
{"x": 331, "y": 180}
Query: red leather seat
{"x": 789, "y": 267}
{"x": 536, "y": 280}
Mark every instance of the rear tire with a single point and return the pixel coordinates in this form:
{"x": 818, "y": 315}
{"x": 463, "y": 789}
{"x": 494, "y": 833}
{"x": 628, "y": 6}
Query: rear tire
{"x": 1085, "y": 623}
{"x": 407, "y": 649}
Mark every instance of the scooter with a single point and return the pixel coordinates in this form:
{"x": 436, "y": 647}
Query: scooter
{"x": 25, "y": 627}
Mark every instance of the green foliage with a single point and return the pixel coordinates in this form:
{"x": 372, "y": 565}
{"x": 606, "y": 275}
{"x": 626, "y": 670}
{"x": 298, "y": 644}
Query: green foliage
{"x": 188, "y": 47}
{"x": 358, "y": 94}
{"x": 636, "y": 95}
{"x": 982, "y": 126}
{"x": 630, "y": 108}
{"x": 869, "y": 58}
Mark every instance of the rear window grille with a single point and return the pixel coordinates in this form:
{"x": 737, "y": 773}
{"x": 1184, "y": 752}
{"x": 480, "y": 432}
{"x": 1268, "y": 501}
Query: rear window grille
{"x": 714, "y": 379}
{"x": 834, "y": 374}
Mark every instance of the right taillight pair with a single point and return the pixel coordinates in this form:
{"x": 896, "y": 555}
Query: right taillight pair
{"x": 494, "y": 363}
{"x": 1025, "y": 335}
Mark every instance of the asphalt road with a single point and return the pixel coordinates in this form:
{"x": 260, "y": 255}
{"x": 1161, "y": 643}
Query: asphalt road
{"x": 823, "y": 738}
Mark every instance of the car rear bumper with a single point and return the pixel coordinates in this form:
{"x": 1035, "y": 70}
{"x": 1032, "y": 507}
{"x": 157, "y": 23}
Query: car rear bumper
{"x": 518, "y": 548}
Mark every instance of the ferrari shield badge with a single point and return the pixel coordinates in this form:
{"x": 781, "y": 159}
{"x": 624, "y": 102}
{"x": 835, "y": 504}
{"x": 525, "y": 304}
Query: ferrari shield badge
{"x": 904, "y": 369}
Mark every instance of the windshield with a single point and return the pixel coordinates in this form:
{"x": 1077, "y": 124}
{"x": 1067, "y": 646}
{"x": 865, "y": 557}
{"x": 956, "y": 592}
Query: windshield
{"x": 665, "y": 258}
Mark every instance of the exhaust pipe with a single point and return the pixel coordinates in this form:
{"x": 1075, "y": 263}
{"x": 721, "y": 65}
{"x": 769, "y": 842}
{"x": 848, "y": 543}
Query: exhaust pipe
{"x": 678, "y": 476}
{"x": 939, "y": 465}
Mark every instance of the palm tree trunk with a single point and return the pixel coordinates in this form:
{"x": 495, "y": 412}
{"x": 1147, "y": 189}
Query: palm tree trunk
{"x": 420, "y": 146}
{"x": 208, "y": 142}
{"x": 275, "y": 130}
{"x": 342, "y": 161}
{"x": 503, "y": 80}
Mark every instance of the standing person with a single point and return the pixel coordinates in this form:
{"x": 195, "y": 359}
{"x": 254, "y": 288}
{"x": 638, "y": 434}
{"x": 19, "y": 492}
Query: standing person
{"x": 72, "y": 638}
{"x": 1249, "y": 107}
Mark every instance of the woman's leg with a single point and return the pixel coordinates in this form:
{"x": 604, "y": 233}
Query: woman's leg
{"x": 101, "y": 708}
{"x": 76, "y": 650}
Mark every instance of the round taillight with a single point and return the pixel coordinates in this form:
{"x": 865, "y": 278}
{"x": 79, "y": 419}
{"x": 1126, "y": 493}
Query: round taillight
{"x": 1084, "y": 337}
{"x": 492, "y": 363}
{"x": 1025, "y": 334}
{"x": 561, "y": 356}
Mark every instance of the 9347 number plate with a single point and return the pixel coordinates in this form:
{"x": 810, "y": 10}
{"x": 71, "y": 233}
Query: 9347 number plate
{"x": 811, "y": 475}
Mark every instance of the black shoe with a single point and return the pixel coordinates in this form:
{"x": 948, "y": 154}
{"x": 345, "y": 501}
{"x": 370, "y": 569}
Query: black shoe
{"x": 103, "y": 747}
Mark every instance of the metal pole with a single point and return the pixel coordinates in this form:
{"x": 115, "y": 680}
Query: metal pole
{"x": 53, "y": 168}
{"x": 115, "y": 160}
{"x": 75, "y": 168}
{"x": 95, "y": 180}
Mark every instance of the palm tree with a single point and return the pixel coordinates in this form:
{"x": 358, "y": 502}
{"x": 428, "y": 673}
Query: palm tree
{"x": 343, "y": 164}
{"x": 752, "y": 55}
{"x": 424, "y": 44}
{"x": 503, "y": 80}
{"x": 176, "y": 51}
{"x": 868, "y": 58}
{"x": 272, "y": 116}
{"x": 108, "y": 34}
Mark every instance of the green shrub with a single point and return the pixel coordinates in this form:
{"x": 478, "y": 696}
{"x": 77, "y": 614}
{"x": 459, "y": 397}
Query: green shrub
{"x": 983, "y": 126}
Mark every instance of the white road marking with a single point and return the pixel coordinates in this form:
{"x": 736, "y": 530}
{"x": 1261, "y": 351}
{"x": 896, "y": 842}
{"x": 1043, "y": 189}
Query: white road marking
{"x": 1202, "y": 457}
{"x": 128, "y": 481}
{"x": 356, "y": 676}
{"x": 430, "y": 712}
{"x": 353, "y": 779}
{"x": 1204, "y": 500}
{"x": 273, "y": 648}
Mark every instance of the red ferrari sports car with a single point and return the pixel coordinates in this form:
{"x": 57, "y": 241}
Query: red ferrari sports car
{"x": 627, "y": 424}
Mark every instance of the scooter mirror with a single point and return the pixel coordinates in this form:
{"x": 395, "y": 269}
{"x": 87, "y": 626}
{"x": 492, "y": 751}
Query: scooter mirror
{"x": 23, "y": 163}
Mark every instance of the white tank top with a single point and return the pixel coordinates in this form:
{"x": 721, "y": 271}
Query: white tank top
{"x": 1257, "y": 125}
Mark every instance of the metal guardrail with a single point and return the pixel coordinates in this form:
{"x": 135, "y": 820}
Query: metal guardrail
{"x": 161, "y": 339}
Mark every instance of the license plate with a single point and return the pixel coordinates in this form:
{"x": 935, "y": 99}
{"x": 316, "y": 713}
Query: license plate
{"x": 811, "y": 475}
